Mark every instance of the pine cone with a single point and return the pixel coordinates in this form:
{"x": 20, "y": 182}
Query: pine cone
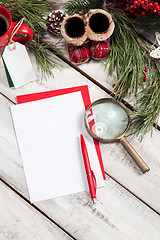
{"x": 54, "y": 22}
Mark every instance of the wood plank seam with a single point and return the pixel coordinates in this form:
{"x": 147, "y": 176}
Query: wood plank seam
{"x": 107, "y": 174}
{"x": 7, "y": 98}
{"x": 36, "y": 208}
{"x": 132, "y": 193}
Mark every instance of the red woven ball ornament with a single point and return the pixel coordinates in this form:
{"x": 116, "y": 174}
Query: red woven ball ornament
{"x": 100, "y": 50}
{"x": 79, "y": 54}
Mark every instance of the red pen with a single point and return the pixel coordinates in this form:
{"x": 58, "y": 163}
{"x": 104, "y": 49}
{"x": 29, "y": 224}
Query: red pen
{"x": 90, "y": 174}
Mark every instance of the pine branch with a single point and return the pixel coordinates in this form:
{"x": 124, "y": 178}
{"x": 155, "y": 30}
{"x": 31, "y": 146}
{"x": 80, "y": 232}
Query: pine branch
{"x": 129, "y": 55}
{"x": 147, "y": 109}
{"x": 74, "y": 6}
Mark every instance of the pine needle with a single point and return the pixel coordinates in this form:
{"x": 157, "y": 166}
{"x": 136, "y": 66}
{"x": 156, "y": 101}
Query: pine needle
{"x": 44, "y": 57}
{"x": 74, "y": 6}
{"x": 149, "y": 22}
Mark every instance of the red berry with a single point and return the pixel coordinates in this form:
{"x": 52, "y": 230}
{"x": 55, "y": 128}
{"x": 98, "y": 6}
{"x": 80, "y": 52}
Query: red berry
{"x": 137, "y": 8}
{"x": 135, "y": 2}
{"x": 132, "y": 12}
{"x": 155, "y": 4}
{"x": 150, "y": 4}
{"x": 157, "y": 7}
{"x": 143, "y": 13}
{"x": 145, "y": 69}
{"x": 113, "y": 85}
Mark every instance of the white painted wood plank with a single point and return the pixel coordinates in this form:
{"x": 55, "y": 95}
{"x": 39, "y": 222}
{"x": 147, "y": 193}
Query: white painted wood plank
{"x": 121, "y": 166}
{"x": 19, "y": 220}
{"x": 117, "y": 215}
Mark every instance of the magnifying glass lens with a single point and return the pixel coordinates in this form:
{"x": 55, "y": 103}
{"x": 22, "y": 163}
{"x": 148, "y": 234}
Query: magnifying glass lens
{"x": 106, "y": 119}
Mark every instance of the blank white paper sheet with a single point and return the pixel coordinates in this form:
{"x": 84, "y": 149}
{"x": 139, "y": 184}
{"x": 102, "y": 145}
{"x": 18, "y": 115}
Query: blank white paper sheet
{"x": 48, "y": 134}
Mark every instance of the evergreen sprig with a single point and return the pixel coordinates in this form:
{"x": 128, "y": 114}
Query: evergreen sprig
{"x": 129, "y": 56}
{"x": 74, "y": 6}
{"x": 147, "y": 109}
{"x": 34, "y": 11}
{"x": 148, "y": 22}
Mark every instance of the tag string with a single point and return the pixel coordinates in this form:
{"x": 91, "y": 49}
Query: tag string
{"x": 14, "y": 31}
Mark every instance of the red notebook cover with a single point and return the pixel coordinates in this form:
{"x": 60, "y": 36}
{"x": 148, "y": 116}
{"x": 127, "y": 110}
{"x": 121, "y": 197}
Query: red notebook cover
{"x": 53, "y": 93}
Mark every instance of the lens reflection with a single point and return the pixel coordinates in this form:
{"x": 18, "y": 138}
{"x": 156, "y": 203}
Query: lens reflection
{"x": 107, "y": 119}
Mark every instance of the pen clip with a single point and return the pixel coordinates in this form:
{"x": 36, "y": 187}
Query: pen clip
{"x": 94, "y": 179}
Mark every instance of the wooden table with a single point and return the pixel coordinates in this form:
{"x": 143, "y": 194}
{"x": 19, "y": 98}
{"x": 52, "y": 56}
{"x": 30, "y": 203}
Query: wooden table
{"x": 128, "y": 206}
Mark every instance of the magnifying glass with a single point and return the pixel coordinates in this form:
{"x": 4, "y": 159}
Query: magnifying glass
{"x": 107, "y": 120}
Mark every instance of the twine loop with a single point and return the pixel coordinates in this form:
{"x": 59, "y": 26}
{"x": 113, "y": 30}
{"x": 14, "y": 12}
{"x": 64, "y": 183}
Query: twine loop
{"x": 14, "y": 31}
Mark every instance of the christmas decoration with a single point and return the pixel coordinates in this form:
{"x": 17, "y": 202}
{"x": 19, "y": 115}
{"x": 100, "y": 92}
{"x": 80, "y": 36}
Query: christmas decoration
{"x": 137, "y": 8}
{"x": 99, "y": 24}
{"x": 33, "y": 11}
{"x": 90, "y": 49}
{"x": 73, "y": 30}
{"x": 79, "y": 54}
{"x": 100, "y": 50}
{"x": 137, "y": 72}
{"x": 54, "y": 22}
{"x": 96, "y": 25}
{"x": 141, "y": 9}
{"x": 89, "y": 32}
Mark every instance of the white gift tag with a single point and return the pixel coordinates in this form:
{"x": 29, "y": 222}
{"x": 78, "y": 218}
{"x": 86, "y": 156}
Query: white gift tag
{"x": 156, "y": 52}
{"x": 18, "y": 65}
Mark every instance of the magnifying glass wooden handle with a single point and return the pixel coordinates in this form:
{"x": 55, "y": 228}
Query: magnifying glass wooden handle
{"x": 141, "y": 164}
